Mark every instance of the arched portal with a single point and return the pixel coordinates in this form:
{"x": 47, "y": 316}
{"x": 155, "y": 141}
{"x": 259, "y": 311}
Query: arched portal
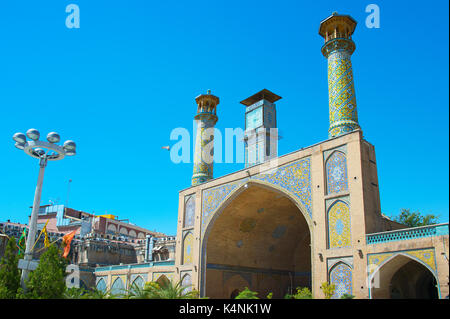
{"x": 138, "y": 283}
{"x": 260, "y": 236}
{"x": 163, "y": 281}
{"x": 402, "y": 277}
{"x": 101, "y": 285}
{"x": 118, "y": 287}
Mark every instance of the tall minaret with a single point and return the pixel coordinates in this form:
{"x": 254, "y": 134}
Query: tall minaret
{"x": 206, "y": 118}
{"x": 261, "y": 134}
{"x": 337, "y": 31}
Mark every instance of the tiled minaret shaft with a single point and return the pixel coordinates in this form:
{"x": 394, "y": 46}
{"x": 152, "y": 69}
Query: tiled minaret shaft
{"x": 206, "y": 119}
{"x": 338, "y": 48}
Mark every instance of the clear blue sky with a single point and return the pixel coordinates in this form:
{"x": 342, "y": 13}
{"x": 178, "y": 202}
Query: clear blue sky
{"x": 120, "y": 83}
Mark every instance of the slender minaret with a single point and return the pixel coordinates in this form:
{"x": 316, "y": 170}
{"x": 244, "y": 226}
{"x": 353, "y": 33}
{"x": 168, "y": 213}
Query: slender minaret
{"x": 337, "y": 31}
{"x": 206, "y": 118}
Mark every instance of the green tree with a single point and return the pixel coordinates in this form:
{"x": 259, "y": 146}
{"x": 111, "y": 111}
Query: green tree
{"x": 415, "y": 219}
{"x": 328, "y": 289}
{"x": 247, "y": 294}
{"x": 347, "y": 296}
{"x": 48, "y": 280}
{"x": 9, "y": 273}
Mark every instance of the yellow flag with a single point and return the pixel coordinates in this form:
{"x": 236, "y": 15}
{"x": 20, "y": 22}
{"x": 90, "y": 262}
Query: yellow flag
{"x": 46, "y": 241}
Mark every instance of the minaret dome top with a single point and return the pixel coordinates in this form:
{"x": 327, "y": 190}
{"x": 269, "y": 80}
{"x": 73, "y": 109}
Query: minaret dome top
{"x": 337, "y": 26}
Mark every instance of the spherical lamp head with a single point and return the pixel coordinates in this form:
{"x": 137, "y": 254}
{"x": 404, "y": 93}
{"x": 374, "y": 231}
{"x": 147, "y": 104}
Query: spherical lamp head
{"x": 20, "y": 146}
{"x": 53, "y": 137}
{"x": 69, "y": 146}
{"x": 20, "y": 138}
{"x": 33, "y": 134}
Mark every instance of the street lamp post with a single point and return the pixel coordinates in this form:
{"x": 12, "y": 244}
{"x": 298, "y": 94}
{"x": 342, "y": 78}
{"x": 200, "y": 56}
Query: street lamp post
{"x": 44, "y": 151}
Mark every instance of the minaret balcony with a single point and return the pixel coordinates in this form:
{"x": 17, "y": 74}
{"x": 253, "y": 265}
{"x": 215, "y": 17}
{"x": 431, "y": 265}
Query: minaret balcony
{"x": 338, "y": 44}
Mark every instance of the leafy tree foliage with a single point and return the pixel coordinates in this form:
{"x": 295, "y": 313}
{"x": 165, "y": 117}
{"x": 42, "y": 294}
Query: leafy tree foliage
{"x": 247, "y": 294}
{"x": 48, "y": 280}
{"x": 169, "y": 290}
{"x": 93, "y": 293}
{"x": 9, "y": 273}
{"x": 302, "y": 293}
{"x": 415, "y": 219}
{"x": 328, "y": 290}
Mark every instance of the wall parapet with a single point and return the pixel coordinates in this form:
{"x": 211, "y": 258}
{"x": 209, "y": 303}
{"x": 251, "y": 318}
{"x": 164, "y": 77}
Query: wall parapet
{"x": 407, "y": 234}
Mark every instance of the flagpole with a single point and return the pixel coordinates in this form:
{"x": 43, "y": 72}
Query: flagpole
{"x": 33, "y": 221}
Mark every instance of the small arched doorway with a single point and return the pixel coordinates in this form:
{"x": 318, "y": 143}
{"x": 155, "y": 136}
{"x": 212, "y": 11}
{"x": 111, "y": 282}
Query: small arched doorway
{"x": 118, "y": 287}
{"x": 261, "y": 236}
{"x": 403, "y": 277}
{"x": 163, "y": 281}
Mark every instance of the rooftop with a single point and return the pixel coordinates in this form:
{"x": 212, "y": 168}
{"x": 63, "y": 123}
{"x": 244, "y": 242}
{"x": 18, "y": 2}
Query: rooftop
{"x": 261, "y": 95}
{"x": 337, "y": 19}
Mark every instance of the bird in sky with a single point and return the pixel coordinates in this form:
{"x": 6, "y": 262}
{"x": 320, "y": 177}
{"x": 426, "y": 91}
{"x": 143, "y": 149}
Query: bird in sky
{"x": 166, "y": 147}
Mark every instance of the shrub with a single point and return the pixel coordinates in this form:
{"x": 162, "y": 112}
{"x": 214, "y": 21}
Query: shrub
{"x": 247, "y": 294}
{"x": 328, "y": 290}
{"x": 302, "y": 293}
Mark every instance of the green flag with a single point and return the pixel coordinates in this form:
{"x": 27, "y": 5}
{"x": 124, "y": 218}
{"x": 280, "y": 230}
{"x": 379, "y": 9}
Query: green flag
{"x": 22, "y": 242}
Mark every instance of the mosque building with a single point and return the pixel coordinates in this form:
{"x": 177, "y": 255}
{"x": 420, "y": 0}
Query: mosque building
{"x": 296, "y": 220}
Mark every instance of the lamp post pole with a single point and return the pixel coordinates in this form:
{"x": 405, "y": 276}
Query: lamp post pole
{"x": 33, "y": 220}
{"x": 44, "y": 151}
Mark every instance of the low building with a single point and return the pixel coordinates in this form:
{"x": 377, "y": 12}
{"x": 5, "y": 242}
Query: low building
{"x": 65, "y": 219}
{"x": 100, "y": 241}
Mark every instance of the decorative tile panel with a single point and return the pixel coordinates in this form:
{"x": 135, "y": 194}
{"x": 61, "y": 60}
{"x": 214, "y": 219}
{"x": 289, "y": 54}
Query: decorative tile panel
{"x": 339, "y": 226}
{"x": 188, "y": 250}
{"x": 341, "y": 277}
{"x": 189, "y": 211}
{"x": 214, "y": 197}
{"x": 294, "y": 177}
{"x": 336, "y": 171}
